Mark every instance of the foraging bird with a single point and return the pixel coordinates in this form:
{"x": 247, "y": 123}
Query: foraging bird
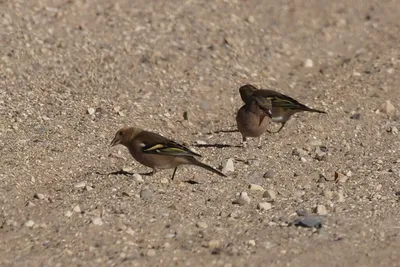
{"x": 156, "y": 151}
{"x": 252, "y": 121}
{"x": 283, "y": 106}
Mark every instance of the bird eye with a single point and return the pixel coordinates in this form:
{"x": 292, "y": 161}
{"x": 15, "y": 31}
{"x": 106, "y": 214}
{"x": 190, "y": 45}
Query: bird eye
{"x": 120, "y": 133}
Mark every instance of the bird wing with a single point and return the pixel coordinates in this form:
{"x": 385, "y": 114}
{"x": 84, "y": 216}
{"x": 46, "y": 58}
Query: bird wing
{"x": 280, "y": 100}
{"x": 157, "y": 144}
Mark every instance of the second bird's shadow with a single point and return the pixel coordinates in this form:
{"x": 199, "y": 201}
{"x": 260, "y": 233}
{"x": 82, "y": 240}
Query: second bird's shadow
{"x": 216, "y": 145}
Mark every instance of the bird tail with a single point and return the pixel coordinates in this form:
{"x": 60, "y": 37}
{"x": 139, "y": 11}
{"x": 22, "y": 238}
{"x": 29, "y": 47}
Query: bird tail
{"x": 205, "y": 166}
{"x": 305, "y": 108}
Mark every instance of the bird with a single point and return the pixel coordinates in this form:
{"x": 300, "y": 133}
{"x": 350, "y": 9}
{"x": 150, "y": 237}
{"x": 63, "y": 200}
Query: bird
{"x": 156, "y": 151}
{"x": 252, "y": 121}
{"x": 283, "y": 106}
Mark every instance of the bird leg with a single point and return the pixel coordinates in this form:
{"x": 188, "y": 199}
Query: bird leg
{"x": 282, "y": 125}
{"x": 153, "y": 172}
{"x": 244, "y": 141}
{"x": 259, "y": 145}
{"x": 173, "y": 175}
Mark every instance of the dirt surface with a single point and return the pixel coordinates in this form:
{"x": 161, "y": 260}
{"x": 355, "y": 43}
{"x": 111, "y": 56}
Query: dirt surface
{"x": 74, "y": 72}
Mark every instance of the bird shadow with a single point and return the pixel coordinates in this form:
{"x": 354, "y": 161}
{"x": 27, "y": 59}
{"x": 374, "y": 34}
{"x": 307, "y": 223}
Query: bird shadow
{"x": 224, "y": 131}
{"x": 216, "y": 145}
{"x": 122, "y": 172}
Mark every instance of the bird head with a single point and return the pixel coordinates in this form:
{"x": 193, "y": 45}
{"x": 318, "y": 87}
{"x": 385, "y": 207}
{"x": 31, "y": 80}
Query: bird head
{"x": 246, "y": 92}
{"x": 125, "y": 135}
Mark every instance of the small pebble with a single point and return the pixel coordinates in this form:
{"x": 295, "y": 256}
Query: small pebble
{"x": 214, "y": 243}
{"x": 308, "y": 63}
{"x": 340, "y": 178}
{"x": 201, "y": 142}
{"x": 301, "y": 212}
{"x": 320, "y": 154}
{"x": 151, "y": 253}
{"x": 242, "y": 200}
{"x": 251, "y": 242}
{"x": 321, "y": 210}
{"x": 299, "y": 152}
{"x": 29, "y": 223}
{"x": 68, "y": 214}
{"x": 269, "y": 174}
{"x": 264, "y": 206}
{"x": 202, "y": 225}
{"x": 164, "y": 180}
{"x": 91, "y": 111}
{"x": 355, "y": 116}
{"x": 77, "y": 209}
{"x": 138, "y": 178}
{"x": 388, "y": 107}
{"x": 250, "y": 19}
{"x": 39, "y": 196}
{"x": 269, "y": 195}
{"x": 228, "y": 166}
{"x": 339, "y": 197}
{"x": 97, "y": 221}
{"x": 80, "y": 185}
{"x": 256, "y": 187}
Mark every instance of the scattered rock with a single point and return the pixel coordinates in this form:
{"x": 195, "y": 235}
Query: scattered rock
{"x": 228, "y": 166}
{"x": 269, "y": 174}
{"x": 68, "y": 214}
{"x": 138, "y": 178}
{"x": 339, "y": 197}
{"x": 164, "y": 180}
{"x": 151, "y": 253}
{"x": 264, "y": 206}
{"x": 29, "y": 223}
{"x": 321, "y": 210}
{"x": 80, "y": 185}
{"x": 355, "y": 116}
{"x": 250, "y": 19}
{"x": 146, "y": 194}
{"x": 256, "y": 187}
{"x": 39, "y": 196}
{"x": 309, "y": 221}
{"x": 97, "y": 221}
{"x": 242, "y": 200}
{"x": 320, "y": 153}
{"x": 299, "y": 152}
{"x": 388, "y": 107}
{"x": 202, "y": 225}
{"x": 269, "y": 195}
{"x": 77, "y": 209}
{"x": 301, "y": 212}
{"x": 214, "y": 243}
{"x": 251, "y": 242}
{"x": 340, "y": 178}
{"x": 91, "y": 111}
{"x": 308, "y": 63}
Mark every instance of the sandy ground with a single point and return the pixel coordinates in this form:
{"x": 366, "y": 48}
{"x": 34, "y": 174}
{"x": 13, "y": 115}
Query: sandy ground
{"x": 146, "y": 63}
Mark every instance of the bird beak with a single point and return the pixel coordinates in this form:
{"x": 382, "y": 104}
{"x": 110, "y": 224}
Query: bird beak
{"x": 115, "y": 141}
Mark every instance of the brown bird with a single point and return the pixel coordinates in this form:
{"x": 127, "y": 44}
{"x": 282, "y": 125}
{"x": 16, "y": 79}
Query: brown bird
{"x": 156, "y": 151}
{"x": 252, "y": 121}
{"x": 283, "y": 106}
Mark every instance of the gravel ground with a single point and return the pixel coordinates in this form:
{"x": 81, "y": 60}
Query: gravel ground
{"x": 73, "y": 72}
